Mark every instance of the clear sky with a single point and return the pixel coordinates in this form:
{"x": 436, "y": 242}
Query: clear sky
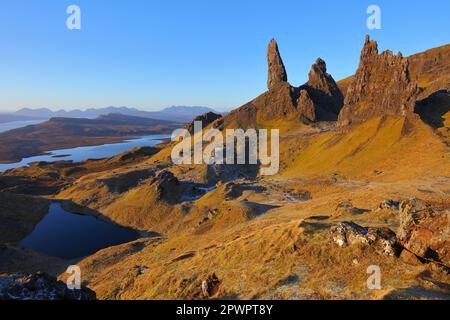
{"x": 151, "y": 54}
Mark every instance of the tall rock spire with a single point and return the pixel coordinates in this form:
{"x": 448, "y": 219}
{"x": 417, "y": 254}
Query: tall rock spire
{"x": 277, "y": 72}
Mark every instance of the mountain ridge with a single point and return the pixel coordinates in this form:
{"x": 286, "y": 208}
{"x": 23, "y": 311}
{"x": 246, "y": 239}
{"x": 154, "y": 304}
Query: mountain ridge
{"x": 180, "y": 114}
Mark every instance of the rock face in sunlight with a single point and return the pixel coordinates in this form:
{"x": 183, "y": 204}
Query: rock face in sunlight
{"x": 425, "y": 231}
{"x": 381, "y": 86}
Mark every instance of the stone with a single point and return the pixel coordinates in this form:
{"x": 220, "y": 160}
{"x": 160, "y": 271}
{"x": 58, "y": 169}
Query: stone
{"x": 425, "y": 231}
{"x": 277, "y": 72}
{"x": 383, "y": 240}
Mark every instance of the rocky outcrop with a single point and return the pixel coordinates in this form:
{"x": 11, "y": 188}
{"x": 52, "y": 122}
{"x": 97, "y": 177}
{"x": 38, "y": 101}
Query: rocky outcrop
{"x": 277, "y": 72}
{"x": 324, "y": 92}
{"x": 381, "y": 86}
{"x": 205, "y": 119}
{"x": 383, "y": 240}
{"x": 425, "y": 231}
{"x": 39, "y": 286}
{"x": 166, "y": 185}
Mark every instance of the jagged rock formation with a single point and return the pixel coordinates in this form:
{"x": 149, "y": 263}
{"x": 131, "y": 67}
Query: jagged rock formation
{"x": 318, "y": 99}
{"x": 39, "y": 286}
{"x": 425, "y": 231}
{"x": 381, "y": 86}
{"x": 277, "y": 72}
{"x": 324, "y": 92}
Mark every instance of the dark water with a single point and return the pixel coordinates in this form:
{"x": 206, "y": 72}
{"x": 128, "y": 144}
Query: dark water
{"x": 91, "y": 152}
{"x": 68, "y": 235}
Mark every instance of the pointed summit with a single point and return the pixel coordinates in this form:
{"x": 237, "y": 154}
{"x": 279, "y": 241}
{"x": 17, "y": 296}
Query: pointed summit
{"x": 324, "y": 91}
{"x": 277, "y": 72}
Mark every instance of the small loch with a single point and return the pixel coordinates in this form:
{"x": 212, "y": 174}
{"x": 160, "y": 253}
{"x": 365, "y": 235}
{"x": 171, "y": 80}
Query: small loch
{"x": 69, "y": 236}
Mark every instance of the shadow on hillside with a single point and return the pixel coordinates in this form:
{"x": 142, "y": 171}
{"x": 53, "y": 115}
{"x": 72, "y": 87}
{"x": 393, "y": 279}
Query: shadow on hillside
{"x": 417, "y": 293}
{"x": 432, "y": 109}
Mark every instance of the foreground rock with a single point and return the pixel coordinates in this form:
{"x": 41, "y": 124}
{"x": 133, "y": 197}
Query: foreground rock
{"x": 425, "y": 231}
{"x": 383, "y": 240}
{"x": 39, "y": 286}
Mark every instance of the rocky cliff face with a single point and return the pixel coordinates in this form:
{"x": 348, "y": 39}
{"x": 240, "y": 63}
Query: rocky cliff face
{"x": 381, "y": 86}
{"x": 431, "y": 69}
{"x": 277, "y": 72}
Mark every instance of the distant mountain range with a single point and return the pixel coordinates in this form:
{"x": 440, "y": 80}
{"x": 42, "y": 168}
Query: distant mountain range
{"x": 181, "y": 114}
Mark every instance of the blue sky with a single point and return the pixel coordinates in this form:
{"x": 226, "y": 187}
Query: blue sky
{"x": 151, "y": 54}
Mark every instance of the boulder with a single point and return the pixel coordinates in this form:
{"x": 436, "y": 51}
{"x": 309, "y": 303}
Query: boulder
{"x": 383, "y": 240}
{"x": 425, "y": 231}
